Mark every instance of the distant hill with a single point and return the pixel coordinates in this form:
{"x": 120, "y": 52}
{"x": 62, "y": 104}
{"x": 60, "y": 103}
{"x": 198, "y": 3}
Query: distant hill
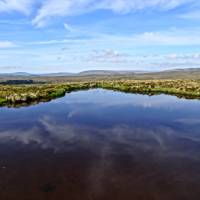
{"x": 184, "y": 70}
{"x": 108, "y": 72}
{"x": 15, "y": 74}
{"x": 83, "y": 73}
{"x": 97, "y": 72}
{"x": 190, "y": 73}
{"x": 58, "y": 74}
{"x": 30, "y": 75}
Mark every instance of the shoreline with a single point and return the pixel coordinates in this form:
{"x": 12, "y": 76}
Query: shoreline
{"x": 16, "y": 95}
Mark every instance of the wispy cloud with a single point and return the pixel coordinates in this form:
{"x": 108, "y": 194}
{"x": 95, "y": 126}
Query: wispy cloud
{"x": 124, "y": 33}
{"x": 10, "y": 67}
{"x": 107, "y": 55}
{"x": 191, "y": 15}
{"x": 60, "y": 8}
{"x": 69, "y": 28}
{"x": 7, "y": 44}
{"x": 23, "y": 6}
{"x": 195, "y": 56}
{"x": 45, "y": 10}
{"x": 158, "y": 38}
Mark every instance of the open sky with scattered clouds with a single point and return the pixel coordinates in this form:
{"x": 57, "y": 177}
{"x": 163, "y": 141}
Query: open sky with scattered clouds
{"x": 40, "y": 36}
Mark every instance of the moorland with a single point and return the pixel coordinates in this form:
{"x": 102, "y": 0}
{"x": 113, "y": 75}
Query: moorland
{"x": 22, "y": 90}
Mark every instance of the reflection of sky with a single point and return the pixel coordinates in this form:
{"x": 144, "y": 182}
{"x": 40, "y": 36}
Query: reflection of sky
{"x": 99, "y": 119}
{"x": 107, "y": 98}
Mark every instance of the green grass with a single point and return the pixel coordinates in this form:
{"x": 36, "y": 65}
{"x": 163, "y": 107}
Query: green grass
{"x": 57, "y": 93}
{"x": 2, "y": 101}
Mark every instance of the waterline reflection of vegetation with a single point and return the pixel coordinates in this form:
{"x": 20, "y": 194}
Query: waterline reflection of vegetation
{"x": 21, "y": 95}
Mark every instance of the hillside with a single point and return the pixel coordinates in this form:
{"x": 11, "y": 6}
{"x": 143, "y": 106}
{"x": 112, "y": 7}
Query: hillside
{"x": 192, "y": 73}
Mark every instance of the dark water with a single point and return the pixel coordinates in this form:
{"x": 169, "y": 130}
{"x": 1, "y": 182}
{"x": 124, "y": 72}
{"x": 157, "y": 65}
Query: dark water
{"x": 101, "y": 145}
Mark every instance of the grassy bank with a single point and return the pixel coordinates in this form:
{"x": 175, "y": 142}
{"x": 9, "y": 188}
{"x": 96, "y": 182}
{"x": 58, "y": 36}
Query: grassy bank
{"x": 19, "y": 95}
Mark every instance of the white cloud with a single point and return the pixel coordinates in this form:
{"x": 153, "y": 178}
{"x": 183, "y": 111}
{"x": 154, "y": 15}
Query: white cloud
{"x": 125, "y": 52}
{"x": 7, "y": 44}
{"x": 23, "y": 6}
{"x": 167, "y": 38}
{"x": 108, "y": 41}
{"x": 7, "y": 68}
{"x": 191, "y": 15}
{"x": 69, "y": 28}
{"x": 107, "y": 55}
{"x": 184, "y": 56}
{"x": 49, "y": 42}
{"x": 47, "y": 9}
{"x": 60, "y": 8}
{"x": 170, "y": 37}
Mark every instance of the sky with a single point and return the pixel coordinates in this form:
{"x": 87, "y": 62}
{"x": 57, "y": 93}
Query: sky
{"x": 47, "y": 36}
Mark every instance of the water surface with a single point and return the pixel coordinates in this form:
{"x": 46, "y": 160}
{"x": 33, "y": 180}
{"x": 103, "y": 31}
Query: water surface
{"x": 101, "y": 145}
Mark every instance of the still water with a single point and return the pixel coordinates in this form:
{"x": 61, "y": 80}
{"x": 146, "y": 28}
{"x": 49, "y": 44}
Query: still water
{"x": 101, "y": 145}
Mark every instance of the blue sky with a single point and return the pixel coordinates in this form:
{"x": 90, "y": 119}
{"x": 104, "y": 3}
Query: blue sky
{"x": 40, "y": 36}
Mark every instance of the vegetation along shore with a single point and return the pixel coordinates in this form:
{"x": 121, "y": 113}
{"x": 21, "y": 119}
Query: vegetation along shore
{"x": 26, "y": 94}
